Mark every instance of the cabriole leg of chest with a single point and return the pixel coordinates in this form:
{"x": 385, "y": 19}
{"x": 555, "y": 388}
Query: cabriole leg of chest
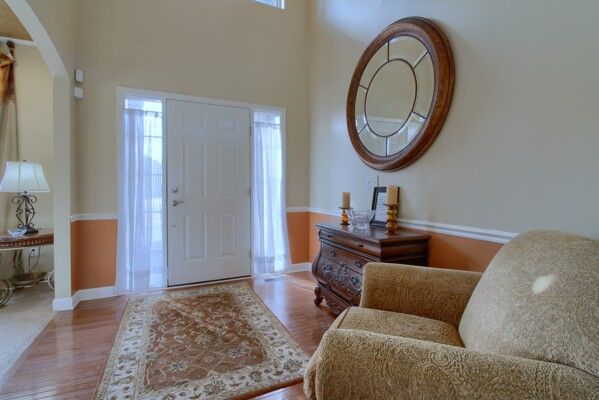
{"x": 317, "y": 291}
{"x": 318, "y": 294}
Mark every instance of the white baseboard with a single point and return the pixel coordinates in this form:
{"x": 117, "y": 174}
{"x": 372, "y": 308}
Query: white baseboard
{"x": 292, "y": 269}
{"x": 96, "y": 293}
{"x": 299, "y": 267}
{"x": 69, "y": 303}
{"x": 65, "y": 303}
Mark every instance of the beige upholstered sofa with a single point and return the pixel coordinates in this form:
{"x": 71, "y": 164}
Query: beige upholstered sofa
{"x": 528, "y": 328}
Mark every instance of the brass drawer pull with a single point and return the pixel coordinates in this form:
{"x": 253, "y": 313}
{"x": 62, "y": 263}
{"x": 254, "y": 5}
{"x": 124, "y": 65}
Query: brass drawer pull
{"x": 360, "y": 245}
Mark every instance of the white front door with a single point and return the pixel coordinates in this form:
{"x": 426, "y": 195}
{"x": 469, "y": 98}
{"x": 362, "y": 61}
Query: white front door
{"x": 208, "y": 192}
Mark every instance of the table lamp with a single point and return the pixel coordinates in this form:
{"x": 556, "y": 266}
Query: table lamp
{"x": 24, "y": 178}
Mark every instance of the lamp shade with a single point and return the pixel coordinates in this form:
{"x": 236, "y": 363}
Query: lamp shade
{"x": 23, "y": 176}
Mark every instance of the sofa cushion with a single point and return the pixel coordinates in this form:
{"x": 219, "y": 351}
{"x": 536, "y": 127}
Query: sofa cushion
{"x": 539, "y": 299}
{"x": 397, "y": 324}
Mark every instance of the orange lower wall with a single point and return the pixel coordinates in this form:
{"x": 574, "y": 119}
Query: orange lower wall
{"x": 94, "y": 257}
{"x": 314, "y": 243}
{"x": 447, "y": 251}
{"x": 297, "y": 228}
{"x": 93, "y": 248}
{"x": 74, "y": 257}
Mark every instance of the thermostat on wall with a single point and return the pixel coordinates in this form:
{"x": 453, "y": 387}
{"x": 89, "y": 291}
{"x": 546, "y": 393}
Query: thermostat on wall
{"x": 79, "y": 75}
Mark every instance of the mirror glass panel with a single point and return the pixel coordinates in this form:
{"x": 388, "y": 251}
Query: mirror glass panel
{"x": 425, "y": 76}
{"x": 408, "y": 132}
{"x": 377, "y": 60}
{"x": 406, "y": 48}
{"x": 360, "y": 114}
{"x": 391, "y": 96}
{"x": 394, "y": 95}
{"x": 373, "y": 143}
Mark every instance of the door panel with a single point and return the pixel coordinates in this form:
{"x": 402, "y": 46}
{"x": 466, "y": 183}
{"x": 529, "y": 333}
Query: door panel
{"x": 228, "y": 245}
{"x": 227, "y": 160}
{"x": 194, "y": 168}
{"x": 195, "y": 237}
{"x": 208, "y": 170}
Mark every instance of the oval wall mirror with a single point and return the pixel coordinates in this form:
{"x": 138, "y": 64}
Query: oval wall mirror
{"x": 400, "y": 94}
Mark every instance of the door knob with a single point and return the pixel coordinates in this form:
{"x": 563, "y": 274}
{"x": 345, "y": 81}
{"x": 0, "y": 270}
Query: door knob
{"x": 177, "y": 202}
{"x": 175, "y": 189}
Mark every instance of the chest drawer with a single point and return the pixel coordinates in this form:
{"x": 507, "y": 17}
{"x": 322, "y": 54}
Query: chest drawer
{"x": 341, "y": 280}
{"x": 344, "y": 258}
{"x": 353, "y": 243}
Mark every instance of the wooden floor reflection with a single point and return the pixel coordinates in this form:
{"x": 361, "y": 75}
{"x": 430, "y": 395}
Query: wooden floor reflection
{"x": 67, "y": 359}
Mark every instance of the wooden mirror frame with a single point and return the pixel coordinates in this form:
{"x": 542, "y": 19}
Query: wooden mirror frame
{"x": 437, "y": 44}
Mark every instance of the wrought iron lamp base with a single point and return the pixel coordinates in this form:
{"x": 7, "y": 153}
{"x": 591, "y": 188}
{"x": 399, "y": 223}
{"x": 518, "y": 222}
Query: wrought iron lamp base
{"x": 25, "y": 212}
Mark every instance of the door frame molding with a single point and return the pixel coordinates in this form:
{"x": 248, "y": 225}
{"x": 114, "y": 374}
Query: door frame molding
{"x": 62, "y": 130}
{"x": 124, "y": 92}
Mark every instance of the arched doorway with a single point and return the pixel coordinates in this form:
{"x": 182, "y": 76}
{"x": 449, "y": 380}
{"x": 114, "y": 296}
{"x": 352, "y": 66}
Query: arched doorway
{"x": 62, "y": 132}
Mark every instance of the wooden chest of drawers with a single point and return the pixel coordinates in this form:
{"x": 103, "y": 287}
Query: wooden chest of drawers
{"x": 344, "y": 252}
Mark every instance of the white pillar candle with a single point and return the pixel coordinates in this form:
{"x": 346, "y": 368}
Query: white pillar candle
{"x": 392, "y": 191}
{"x": 345, "y": 200}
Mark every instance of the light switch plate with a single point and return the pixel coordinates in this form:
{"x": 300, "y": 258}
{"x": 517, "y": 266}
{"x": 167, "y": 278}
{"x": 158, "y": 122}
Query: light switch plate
{"x": 78, "y": 92}
{"x": 79, "y": 75}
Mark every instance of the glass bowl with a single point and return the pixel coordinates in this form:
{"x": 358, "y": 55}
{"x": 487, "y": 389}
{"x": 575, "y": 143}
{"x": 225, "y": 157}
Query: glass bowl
{"x": 360, "y": 219}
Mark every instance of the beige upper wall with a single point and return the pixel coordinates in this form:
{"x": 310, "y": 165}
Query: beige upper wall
{"x": 59, "y": 20}
{"x": 519, "y": 148}
{"x": 226, "y": 49}
{"x": 33, "y": 85}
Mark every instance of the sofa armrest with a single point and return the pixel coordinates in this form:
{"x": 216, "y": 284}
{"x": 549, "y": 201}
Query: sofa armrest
{"x": 435, "y": 293}
{"x": 353, "y": 364}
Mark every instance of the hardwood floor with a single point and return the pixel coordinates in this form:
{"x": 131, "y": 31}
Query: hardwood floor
{"x": 66, "y": 360}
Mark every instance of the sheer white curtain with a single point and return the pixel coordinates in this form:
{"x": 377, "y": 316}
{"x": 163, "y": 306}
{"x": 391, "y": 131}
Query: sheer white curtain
{"x": 141, "y": 255}
{"x": 270, "y": 247}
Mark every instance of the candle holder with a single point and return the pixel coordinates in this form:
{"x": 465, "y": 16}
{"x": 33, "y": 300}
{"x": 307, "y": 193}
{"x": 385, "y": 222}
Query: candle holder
{"x": 392, "y": 211}
{"x": 344, "y": 216}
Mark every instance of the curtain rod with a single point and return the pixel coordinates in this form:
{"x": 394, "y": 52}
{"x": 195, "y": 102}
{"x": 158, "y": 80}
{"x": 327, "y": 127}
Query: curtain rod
{"x": 18, "y": 41}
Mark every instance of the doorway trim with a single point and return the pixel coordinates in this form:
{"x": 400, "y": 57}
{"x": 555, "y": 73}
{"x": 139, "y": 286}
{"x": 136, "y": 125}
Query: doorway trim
{"x": 61, "y": 130}
{"x": 154, "y": 94}
{"x": 124, "y": 92}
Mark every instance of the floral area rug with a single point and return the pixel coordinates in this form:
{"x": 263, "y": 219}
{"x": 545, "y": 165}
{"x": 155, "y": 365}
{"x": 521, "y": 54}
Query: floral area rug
{"x": 216, "y": 342}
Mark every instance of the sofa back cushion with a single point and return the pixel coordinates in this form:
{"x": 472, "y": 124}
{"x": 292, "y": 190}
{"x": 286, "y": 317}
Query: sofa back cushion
{"x": 539, "y": 299}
